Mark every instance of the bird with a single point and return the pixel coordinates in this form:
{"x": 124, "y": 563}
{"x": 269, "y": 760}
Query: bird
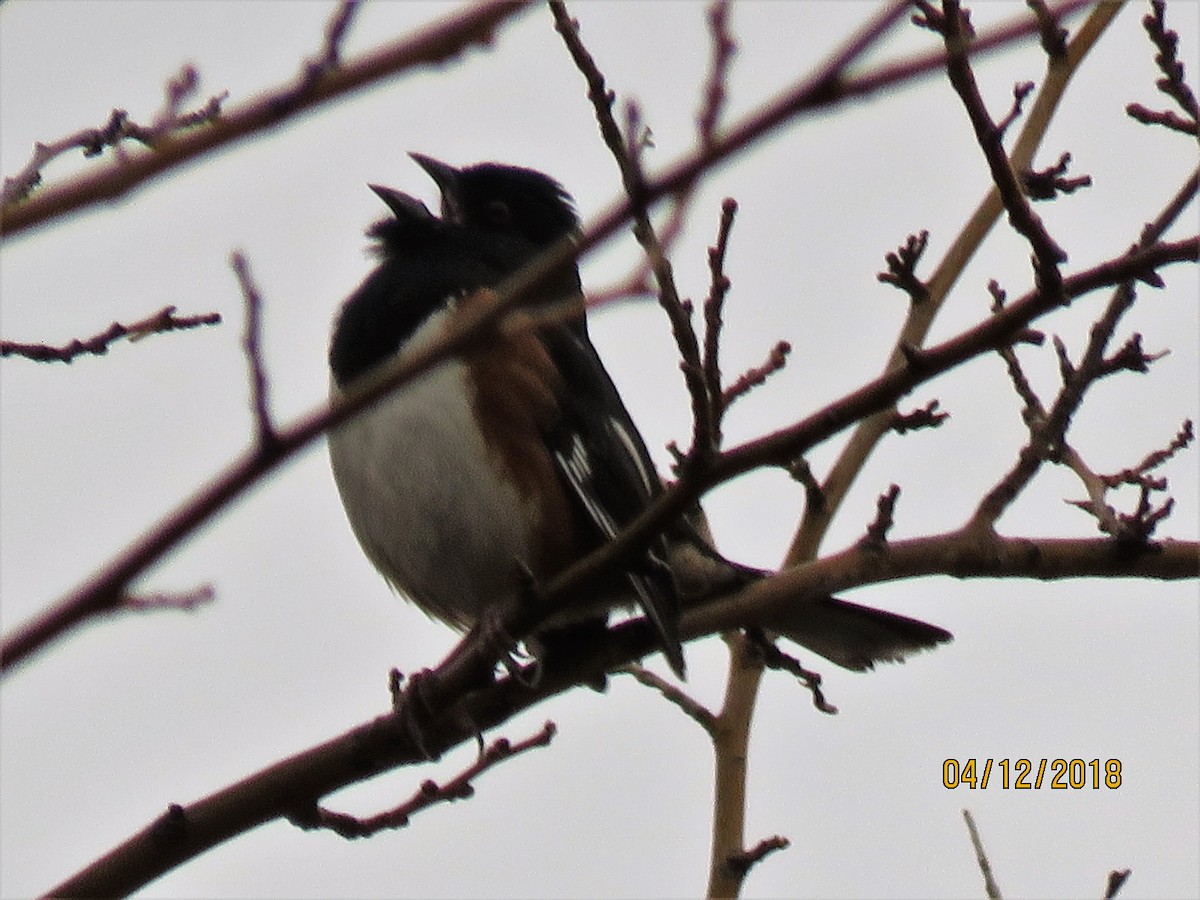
{"x": 517, "y": 457}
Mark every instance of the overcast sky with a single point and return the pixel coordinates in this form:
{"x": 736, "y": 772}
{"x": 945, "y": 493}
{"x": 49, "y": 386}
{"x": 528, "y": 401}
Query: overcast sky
{"x": 100, "y": 733}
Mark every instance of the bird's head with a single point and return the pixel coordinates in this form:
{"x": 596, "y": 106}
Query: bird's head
{"x": 503, "y": 199}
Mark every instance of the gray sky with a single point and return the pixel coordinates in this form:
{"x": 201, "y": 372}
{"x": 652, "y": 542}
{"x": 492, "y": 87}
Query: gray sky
{"x": 100, "y": 733}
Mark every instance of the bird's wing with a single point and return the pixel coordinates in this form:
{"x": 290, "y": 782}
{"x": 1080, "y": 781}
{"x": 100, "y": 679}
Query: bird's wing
{"x": 609, "y": 473}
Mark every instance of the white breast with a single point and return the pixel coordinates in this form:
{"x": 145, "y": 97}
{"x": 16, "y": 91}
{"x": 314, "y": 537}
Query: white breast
{"x": 422, "y": 498}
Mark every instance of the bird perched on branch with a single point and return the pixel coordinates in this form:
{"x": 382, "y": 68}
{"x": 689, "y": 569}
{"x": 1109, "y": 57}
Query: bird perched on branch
{"x": 517, "y": 457}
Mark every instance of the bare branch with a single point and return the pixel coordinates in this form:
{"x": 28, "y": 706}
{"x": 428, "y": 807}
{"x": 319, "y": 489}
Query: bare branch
{"x": 719, "y": 285}
{"x": 756, "y": 375}
{"x": 1116, "y": 880}
{"x": 1048, "y": 183}
{"x": 916, "y": 328}
{"x": 158, "y": 323}
{"x": 902, "y": 266}
{"x": 741, "y": 863}
{"x": 385, "y": 743}
{"x": 335, "y": 34}
{"x": 265, "y": 433}
{"x": 1054, "y": 36}
{"x": 430, "y": 793}
{"x": 1167, "y": 42}
{"x": 723, "y": 48}
{"x": 1047, "y": 254}
{"x": 688, "y": 705}
{"x": 92, "y": 141}
{"x": 626, "y": 152}
{"x": 885, "y": 508}
{"x": 1183, "y": 438}
{"x": 774, "y": 658}
{"x": 925, "y": 417}
{"x": 188, "y": 601}
{"x": 985, "y": 867}
{"x": 434, "y": 44}
{"x": 1048, "y": 428}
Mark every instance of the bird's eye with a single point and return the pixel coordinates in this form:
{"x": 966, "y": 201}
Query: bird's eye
{"x": 499, "y": 214}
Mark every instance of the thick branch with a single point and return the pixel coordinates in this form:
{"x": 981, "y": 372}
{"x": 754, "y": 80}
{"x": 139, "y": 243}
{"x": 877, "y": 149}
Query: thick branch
{"x": 385, "y": 743}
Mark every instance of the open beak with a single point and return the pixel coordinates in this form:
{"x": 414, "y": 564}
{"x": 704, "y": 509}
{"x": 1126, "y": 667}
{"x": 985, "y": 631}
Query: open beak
{"x": 446, "y": 178}
{"x": 402, "y": 205}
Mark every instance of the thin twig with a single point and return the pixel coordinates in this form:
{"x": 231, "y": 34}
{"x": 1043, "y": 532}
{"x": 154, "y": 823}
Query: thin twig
{"x": 1047, "y": 254}
{"x": 689, "y": 706}
{"x": 265, "y": 433}
{"x": 1116, "y": 880}
{"x": 741, "y": 863}
{"x": 925, "y": 417}
{"x": 187, "y": 601}
{"x": 774, "y": 658}
{"x": 715, "y": 86}
{"x": 885, "y": 508}
{"x": 985, "y": 867}
{"x": 625, "y": 151}
{"x": 160, "y": 322}
{"x": 754, "y": 376}
{"x": 719, "y": 284}
{"x": 902, "y": 265}
{"x": 119, "y": 127}
{"x": 1048, "y": 427}
{"x": 430, "y": 793}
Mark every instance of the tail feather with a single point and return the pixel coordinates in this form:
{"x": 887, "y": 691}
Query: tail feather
{"x": 857, "y": 637}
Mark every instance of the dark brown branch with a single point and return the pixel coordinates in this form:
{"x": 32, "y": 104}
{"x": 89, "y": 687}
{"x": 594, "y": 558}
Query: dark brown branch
{"x": 119, "y": 127}
{"x": 434, "y": 44}
{"x": 885, "y": 508}
{"x": 1166, "y": 42}
{"x": 784, "y": 446}
{"x": 925, "y": 417}
{"x": 1048, "y": 427}
{"x": 385, "y": 743}
{"x": 688, "y": 705}
{"x": 1047, "y": 254}
{"x": 430, "y": 793}
{"x": 265, "y": 434}
{"x": 159, "y": 323}
{"x": 1048, "y": 183}
{"x": 625, "y": 151}
{"x": 1183, "y": 438}
{"x": 1053, "y": 35}
{"x": 335, "y": 35}
{"x": 1116, "y": 880}
{"x": 1166, "y": 117}
{"x": 723, "y": 49}
{"x": 741, "y": 863}
{"x": 902, "y": 265}
{"x": 714, "y": 305}
{"x": 756, "y": 375}
{"x": 188, "y": 601}
{"x": 779, "y": 661}
{"x": 920, "y": 319}
{"x": 1172, "y": 83}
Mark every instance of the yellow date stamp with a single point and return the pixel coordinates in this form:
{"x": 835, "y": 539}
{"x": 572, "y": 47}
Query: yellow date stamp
{"x": 1032, "y": 775}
